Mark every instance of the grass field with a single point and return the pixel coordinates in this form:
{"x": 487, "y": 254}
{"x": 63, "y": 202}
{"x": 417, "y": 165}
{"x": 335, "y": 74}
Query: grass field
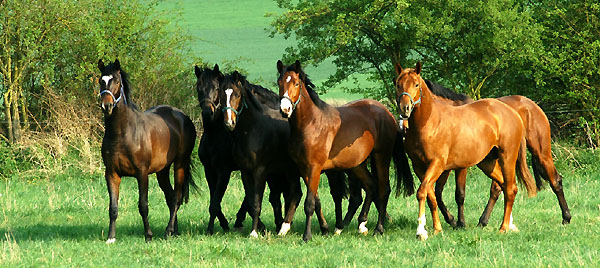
{"x": 63, "y": 220}
{"x": 59, "y": 218}
{"x": 234, "y": 34}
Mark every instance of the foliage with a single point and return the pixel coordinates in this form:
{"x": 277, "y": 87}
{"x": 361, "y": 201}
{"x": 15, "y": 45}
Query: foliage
{"x": 547, "y": 50}
{"x": 569, "y": 71}
{"x": 58, "y": 43}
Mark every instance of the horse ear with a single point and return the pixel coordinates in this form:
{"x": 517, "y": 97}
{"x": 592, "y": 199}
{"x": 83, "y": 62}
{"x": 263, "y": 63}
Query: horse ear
{"x": 297, "y": 66}
{"x": 216, "y": 68}
{"x": 279, "y": 66}
{"x": 236, "y": 75}
{"x": 117, "y": 64}
{"x": 398, "y": 68}
{"x": 197, "y": 71}
{"x": 101, "y": 65}
{"x": 418, "y": 68}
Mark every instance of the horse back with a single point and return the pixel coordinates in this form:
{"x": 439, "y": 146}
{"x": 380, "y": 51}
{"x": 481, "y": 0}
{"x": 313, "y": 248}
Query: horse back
{"x": 366, "y": 126}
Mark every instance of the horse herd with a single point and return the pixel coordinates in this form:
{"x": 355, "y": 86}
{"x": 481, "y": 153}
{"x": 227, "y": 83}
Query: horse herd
{"x": 278, "y": 139}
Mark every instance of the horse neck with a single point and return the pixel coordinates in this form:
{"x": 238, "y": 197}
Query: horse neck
{"x": 306, "y": 111}
{"x": 424, "y": 112}
{"x": 117, "y": 122}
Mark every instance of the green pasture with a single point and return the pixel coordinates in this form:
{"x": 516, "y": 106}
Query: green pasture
{"x": 63, "y": 221}
{"x": 235, "y": 34}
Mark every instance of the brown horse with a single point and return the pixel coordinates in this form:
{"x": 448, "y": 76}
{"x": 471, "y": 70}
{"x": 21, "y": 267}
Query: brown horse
{"x": 324, "y": 137}
{"x": 537, "y": 136}
{"x": 139, "y": 143}
{"x": 441, "y": 137}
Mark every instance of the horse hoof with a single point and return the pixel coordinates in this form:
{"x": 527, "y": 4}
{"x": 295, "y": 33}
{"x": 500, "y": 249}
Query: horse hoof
{"x": 254, "y": 234}
{"x": 337, "y": 231}
{"x": 306, "y": 237}
{"x": 422, "y": 234}
{"x": 285, "y": 227}
{"x": 437, "y": 232}
{"x": 513, "y": 228}
{"x": 422, "y": 237}
{"x": 362, "y": 228}
{"x": 110, "y": 241}
{"x": 238, "y": 229}
{"x": 566, "y": 221}
{"x": 460, "y": 225}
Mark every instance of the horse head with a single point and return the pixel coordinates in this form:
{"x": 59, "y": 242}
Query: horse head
{"x": 207, "y": 87}
{"x": 112, "y": 82}
{"x": 408, "y": 89}
{"x": 290, "y": 83}
{"x": 232, "y": 97}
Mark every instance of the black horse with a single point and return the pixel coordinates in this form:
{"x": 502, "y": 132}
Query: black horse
{"x": 261, "y": 135}
{"x": 139, "y": 143}
{"x": 215, "y": 153}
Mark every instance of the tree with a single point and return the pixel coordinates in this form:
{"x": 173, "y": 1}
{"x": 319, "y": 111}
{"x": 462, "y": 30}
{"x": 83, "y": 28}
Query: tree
{"x": 464, "y": 44}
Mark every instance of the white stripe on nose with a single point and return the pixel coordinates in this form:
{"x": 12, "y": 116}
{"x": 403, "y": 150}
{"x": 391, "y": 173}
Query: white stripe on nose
{"x": 287, "y": 80}
{"x": 229, "y": 91}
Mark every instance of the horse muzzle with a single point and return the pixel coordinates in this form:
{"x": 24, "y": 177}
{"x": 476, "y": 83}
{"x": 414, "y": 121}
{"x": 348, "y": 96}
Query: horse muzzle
{"x": 286, "y": 107}
{"x": 107, "y": 107}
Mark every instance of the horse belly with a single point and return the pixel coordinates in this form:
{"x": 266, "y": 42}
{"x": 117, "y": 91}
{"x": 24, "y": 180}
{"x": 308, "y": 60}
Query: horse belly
{"x": 351, "y": 155}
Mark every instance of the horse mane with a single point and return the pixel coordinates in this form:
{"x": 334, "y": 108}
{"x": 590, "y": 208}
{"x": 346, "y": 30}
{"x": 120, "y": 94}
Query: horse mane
{"x": 445, "y": 92}
{"x": 110, "y": 68}
{"x": 264, "y": 95}
{"x": 247, "y": 89}
{"x": 308, "y": 84}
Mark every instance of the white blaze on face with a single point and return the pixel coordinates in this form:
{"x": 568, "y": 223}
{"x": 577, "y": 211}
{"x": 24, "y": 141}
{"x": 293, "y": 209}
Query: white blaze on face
{"x": 286, "y": 105}
{"x": 287, "y": 80}
{"x": 229, "y": 91}
{"x": 106, "y": 79}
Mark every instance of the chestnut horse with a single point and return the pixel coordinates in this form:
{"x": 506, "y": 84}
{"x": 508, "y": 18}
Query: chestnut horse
{"x": 139, "y": 143}
{"x": 537, "y": 136}
{"x": 325, "y": 138}
{"x": 441, "y": 137}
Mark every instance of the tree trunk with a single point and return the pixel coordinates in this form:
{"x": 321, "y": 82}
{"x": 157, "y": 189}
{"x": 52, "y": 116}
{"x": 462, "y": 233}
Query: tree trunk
{"x": 9, "y": 128}
{"x": 16, "y": 125}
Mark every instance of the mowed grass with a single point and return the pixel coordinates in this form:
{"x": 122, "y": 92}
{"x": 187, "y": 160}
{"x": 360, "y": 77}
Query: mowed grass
{"x": 235, "y": 34}
{"x": 63, "y": 221}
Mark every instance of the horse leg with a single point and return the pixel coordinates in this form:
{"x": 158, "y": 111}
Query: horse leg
{"x": 337, "y": 187}
{"x": 113, "y": 181}
{"x": 221, "y": 180}
{"x": 361, "y": 172}
{"x": 505, "y": 177}
{"x": 211, "y": 179}
{"x": 259, "y": 182}
{"x": 555, "y": 180}
{"x": 439, "y": 188}
{"x": 165, "y": 185}
{"x": 495, "y": 191}
{"x": 459, "y": 195}
{"x": 355, "y": 187}
{"x": 143, "y": 203}
{"x": 292, "y": 200}
{"x": 275, "y": 192}
{"x": 426, "y": 191}
{"x": 179, "y": 172}
{"x": 381, "y": 164}
{"x": 312, "y": 185}
{"x": 320, "y": 217}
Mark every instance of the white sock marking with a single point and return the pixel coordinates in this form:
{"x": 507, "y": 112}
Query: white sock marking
{"x": 421, "y": 232}
{"x": 285, "y": 227}
{"x": 254, "y": 234}
{"x": 362, "y": 228}
{"x": 110, "y": 241}
{"x": 511, "y": 225}
{"x": 337, "y": 231}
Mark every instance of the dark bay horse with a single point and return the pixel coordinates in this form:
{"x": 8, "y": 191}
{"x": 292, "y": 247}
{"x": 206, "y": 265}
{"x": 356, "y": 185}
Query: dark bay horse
{"x": 215, "y": 152}
{"x": 538, "y": 138}
{"x": 259, "y": 133}
{"x": 442, "y": 137}
{"x": 139, "y": 143}
{"x": 326, "y": 138}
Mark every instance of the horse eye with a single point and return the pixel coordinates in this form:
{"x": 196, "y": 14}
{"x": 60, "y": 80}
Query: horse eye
{"x": 297, "y": 84}
{"x": 417, "y": 85}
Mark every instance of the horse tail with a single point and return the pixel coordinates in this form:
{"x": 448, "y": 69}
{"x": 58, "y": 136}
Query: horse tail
{"x": 338, "y": 184}
{"x": 523, "y": 173}
{"x": 537, "y": 171}
{"x": 188, "y": 180}
{"x": 405, "y": 184}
